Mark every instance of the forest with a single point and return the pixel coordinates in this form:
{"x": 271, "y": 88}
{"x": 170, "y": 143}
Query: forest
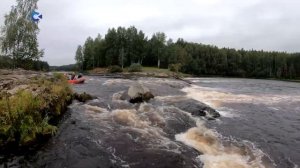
{"x": 125, "y": 46}
{"x": 37, "y": 65}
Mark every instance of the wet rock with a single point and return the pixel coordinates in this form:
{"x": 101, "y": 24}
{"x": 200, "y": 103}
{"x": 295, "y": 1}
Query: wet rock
{"x": 207, "y": 111}
{"x": 138, "y": 93}
{"x": 195, "y": 108}
{"x": 17, "y": 88}
{"x": 83, "y": 97}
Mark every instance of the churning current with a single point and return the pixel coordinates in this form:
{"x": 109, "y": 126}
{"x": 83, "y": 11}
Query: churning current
{"x": 258, "y": 128}
{"x": 263, "y": 112}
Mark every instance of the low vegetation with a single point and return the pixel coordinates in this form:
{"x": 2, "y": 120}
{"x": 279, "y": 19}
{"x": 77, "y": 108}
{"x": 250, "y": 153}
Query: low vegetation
{"x": 26, "y": 115}
{"x": 115, "y": 69}
{"x": 135, "y": 68}
{"x": 175, "y": 67}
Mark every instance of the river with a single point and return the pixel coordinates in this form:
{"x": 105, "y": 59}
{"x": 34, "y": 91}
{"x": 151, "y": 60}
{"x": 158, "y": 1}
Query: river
{"x": 259, "y": 126}
{"x": 263, "y": 112}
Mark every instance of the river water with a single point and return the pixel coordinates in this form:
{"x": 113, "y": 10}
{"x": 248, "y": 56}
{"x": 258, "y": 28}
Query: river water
{"x": 263, "y": 112}
{"x": 259, "y": 126}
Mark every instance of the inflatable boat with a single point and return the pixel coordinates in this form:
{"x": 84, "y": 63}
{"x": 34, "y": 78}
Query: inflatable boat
{"x": 77, "y": 81}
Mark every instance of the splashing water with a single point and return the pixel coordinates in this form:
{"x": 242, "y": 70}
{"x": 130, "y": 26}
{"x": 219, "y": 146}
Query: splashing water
{"x": 114, "y": 133}
{"x": 215, "y": 155}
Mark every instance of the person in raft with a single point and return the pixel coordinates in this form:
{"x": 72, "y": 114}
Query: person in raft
{"x": 70, "y": 76}
{"x": 73, "y": 76}
{"x": 79, "y": 76}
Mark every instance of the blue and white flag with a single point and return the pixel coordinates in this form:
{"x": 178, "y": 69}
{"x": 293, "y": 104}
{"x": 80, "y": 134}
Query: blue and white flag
{"x": 36, "y": 16}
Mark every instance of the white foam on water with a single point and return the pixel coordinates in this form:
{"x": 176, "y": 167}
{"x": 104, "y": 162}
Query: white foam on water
{"x": 274, "y": 108}
{"x": 128, "y": 118}
{"x": 148, "y": 122}
{"x": 215, "y": 155}
{"x": 96, "y": 109}
{"x": 117, "y": 96}
{"x": 171, "y": 98}
{"x": 116, "y": 81}
{"x": 216, "y": 97}
{"x": 228, "y": 112}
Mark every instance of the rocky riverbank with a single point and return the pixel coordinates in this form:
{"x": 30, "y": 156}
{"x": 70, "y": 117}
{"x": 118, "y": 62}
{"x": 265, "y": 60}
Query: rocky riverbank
{"x": 30, "y": 104}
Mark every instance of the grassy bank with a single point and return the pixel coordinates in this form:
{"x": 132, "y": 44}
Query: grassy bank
{"x": 25, "y": 113}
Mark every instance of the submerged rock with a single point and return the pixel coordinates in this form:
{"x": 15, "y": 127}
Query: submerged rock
{"x": 206, "y": 111}
{"x": 138, "y": 93}
{"x": 83, "y": 97}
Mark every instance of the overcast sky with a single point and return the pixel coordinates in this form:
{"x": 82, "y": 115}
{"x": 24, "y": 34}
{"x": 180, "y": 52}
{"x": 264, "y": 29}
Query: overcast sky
{"x": 257, "y": 24}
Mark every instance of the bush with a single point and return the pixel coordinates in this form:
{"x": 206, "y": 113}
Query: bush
{"x": 115, "y": 69}
{"x": 135, "y": 68}
{"x": 25, "y": 116}
{"x": 175, "y": 67}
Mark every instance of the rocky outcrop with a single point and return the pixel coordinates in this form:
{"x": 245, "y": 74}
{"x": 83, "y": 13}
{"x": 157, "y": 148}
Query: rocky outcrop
{"x": 137, "y": 93}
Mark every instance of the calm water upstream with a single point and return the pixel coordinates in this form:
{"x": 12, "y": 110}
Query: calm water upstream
{"x": 259, "y": 126}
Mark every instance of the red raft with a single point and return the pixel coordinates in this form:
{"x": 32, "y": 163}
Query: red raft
{"x": 77, "y": 81}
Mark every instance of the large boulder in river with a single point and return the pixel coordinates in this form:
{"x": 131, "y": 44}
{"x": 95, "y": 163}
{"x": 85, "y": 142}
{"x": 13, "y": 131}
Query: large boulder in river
{"x": 138, "y": 93}
{"x": 194, "y": 107}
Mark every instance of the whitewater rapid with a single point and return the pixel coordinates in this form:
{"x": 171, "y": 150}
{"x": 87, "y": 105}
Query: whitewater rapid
{"x": 258, "y": 127}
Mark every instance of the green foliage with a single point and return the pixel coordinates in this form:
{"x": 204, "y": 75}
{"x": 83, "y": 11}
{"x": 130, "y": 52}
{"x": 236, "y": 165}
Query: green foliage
{"x": 59, "y": 76}
{"x": 79, "y": 57}
{"x": 88, "y": 54}
{"x": 19, "y": 34}
{"x": 7, "y": 63}
{"x": 135, "y": 68}
{"x": 115, "y": 69}
{"x": 25, "y": 115}
{"x": 123, "y": 46}
{"x": 175, "y": 67}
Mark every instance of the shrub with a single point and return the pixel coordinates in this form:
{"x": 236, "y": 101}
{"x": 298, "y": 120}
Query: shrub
{"x": 25, "y": 116}
{"x": 175, "y": 67}
{"x": 115, "y": 69}
{"x": 135, "y": 68}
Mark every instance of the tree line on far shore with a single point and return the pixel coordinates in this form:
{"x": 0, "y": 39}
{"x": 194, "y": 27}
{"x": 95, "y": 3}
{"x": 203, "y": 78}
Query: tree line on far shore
{"x": 126, "y": 46}
{"x": 37, "y": 65}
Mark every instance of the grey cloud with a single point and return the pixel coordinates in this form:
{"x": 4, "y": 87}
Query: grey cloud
{"x": 257, "y": 24}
